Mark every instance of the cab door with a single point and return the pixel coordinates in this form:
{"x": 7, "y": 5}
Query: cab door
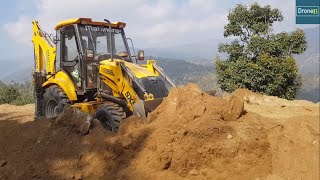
{"x": 70, "y": 59}
{"x": 90, "y": 42}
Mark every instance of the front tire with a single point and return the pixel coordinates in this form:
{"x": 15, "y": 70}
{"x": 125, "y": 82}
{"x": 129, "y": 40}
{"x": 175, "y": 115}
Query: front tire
{"x": 54, "y": 100}
{"x": 110, "y": 115}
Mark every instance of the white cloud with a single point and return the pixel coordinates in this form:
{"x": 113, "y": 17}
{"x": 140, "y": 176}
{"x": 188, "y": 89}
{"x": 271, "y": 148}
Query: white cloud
{"x": 149, "y": 23}
{"x": 200, "y": 6}
{"x": 20, "y": 30}
{"x": 184, "y": 31}
{"x": 160, "y": 10}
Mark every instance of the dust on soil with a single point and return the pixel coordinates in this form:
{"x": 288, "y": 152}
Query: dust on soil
{"x": 191, "y": 135}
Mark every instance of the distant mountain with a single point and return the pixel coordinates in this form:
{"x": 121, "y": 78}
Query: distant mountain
{"x": 207, "y": 50}
{"x": 197, "y": 52}
{"x": 182, "y": 72}
{"x": 193, "y": 62}
{"x": 310, "y": 88}
{"x": 22, "y": 74}
{"x": 313, "y": 38}
{"x": 15, "y": 70}
{"x": 204, "y": 52}
{"x": 309, "y": 61}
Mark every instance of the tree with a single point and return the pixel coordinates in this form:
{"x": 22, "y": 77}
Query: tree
{"x": 260, "y": 60}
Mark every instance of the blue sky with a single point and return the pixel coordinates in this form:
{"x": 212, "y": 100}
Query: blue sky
{"x": 151, "y": 23}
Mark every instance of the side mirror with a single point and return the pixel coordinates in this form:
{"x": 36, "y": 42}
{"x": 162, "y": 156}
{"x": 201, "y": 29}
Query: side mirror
{"x": 89, "y": 54}
{"x": 140, "y": 55}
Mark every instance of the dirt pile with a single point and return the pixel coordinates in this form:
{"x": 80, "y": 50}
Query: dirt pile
{"x": 190, "y": 135}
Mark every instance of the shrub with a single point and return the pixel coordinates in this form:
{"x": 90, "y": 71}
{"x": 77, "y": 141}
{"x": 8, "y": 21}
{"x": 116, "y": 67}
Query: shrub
{"x": 16, "y": 93}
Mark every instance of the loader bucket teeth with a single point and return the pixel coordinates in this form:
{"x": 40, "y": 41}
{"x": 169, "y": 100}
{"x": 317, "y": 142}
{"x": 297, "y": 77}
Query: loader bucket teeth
{"x": 138, "y": 109}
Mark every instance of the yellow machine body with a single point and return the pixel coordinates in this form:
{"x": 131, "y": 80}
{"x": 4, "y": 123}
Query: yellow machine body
{"x": 110, "y": 71}
{"x": 111, "y": 74}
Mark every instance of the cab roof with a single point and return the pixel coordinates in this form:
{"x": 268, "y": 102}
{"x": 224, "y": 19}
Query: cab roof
{"x": 89, "y": 22}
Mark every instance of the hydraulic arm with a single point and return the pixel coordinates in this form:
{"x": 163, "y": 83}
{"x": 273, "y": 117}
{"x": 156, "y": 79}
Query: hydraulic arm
{"x": 44, "y": 50}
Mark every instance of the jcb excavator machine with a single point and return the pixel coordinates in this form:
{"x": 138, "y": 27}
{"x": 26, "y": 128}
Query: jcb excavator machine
{"x": 88, "y": 65}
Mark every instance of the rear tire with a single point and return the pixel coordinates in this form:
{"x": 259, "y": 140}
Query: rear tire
{"x": 110, "y": 115}
{"x": 54, "y": 100}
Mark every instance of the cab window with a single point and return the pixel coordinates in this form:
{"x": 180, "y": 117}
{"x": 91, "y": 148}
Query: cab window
{"x": 70, "y": 49}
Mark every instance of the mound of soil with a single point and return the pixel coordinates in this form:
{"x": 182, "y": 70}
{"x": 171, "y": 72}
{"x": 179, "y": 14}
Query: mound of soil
{"x": 191, "y": 135}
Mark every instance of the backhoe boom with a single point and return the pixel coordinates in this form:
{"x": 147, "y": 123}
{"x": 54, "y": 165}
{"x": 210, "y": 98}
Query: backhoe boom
{"x": 44, "y": 61}
{"x": 44, "y": 50}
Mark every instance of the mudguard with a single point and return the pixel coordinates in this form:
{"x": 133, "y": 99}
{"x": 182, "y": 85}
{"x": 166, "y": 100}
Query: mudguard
{"x": 63, "y": 80}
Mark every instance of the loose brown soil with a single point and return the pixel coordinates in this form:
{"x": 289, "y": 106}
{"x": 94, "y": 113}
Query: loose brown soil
{"x": 191, "y": 135}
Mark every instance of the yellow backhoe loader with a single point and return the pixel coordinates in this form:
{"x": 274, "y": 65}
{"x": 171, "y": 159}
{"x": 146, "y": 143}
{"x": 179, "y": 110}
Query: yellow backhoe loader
{"x": 89, "y": 65}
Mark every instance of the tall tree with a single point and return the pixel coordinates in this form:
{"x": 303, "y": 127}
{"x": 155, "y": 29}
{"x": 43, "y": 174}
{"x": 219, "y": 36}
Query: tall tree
{"x": 258, "y": 59}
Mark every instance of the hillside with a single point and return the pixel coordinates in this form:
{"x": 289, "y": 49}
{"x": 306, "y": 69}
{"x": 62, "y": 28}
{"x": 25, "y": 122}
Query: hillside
{"x": 191, "y": 135}
{"x": 204, "y": 52}
{"x": 207, "y": 50}
{"x": 193, "y": 62}
{"x": 15, "y": 70}
{"x": 182, "y": 72}
{"x": 193, "y": 51}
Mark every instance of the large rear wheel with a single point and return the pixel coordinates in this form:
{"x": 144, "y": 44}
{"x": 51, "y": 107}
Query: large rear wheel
{"x": 110, "y": 115}
{"x": 54, "y": 100}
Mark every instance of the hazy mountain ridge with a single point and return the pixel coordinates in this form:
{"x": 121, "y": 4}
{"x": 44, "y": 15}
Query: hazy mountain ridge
{"x": 183, "y": 72}
{"x": 308, "y": 62}
{"x": 193, "y": 63}
{"x": 204, "y": 50}
{"x": 15, "y": 70}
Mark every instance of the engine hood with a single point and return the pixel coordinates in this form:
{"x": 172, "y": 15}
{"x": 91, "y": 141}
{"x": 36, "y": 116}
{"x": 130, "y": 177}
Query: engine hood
{"x": 138, "y": 70}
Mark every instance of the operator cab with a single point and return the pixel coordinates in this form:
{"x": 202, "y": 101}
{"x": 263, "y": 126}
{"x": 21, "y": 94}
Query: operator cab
{"x": 82, "y": 44}
{"x": 96, "y": 40}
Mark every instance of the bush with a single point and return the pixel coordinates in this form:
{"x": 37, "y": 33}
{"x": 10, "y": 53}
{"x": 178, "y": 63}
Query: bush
{"x": 270, "y": 75}
{"x": 16, "y": 93}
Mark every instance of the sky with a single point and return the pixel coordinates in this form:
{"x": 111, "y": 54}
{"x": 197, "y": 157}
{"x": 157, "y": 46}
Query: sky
{"x": 150, "y": 23}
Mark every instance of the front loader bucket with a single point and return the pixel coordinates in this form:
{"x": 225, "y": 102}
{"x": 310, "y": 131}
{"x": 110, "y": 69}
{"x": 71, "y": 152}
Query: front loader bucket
{"x": 141, "y": 108}
{"x": 151, "y": 105}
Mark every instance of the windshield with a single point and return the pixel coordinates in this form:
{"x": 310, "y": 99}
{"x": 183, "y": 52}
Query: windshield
{"x": 97, "y": 38}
